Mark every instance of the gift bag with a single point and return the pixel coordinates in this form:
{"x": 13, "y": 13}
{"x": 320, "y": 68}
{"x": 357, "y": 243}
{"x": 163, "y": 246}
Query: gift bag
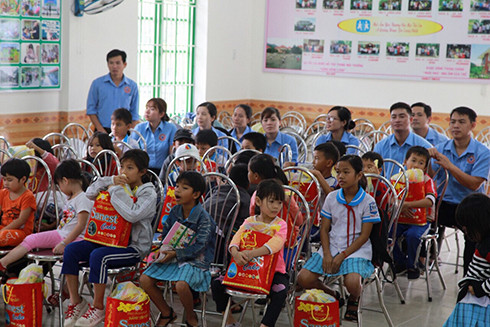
{"x": 304, "y": 184}
{"x": 315, "y": 313}
{"x": 255, "y": 276}
{"x": 23, "y": 303}
{"x": 128, "y": 305}
{"x": 168, "y": 204}
{"x": 106, "y": 226}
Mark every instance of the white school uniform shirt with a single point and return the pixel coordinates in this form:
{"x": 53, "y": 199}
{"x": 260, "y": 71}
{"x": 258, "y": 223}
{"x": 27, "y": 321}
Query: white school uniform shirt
{"x": 346, "y": 224}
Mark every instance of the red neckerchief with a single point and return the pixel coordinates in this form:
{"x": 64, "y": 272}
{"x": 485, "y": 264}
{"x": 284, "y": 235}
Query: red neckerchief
{"x": 349, "y": 211}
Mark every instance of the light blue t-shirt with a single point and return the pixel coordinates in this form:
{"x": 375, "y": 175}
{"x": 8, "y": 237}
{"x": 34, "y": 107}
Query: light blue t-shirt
{"x": 281, "y": 139}
{"x": 434, "y": 137}
{"x": 157, "y": 143}
{"x": 475, "y": 161}
{"x": 104, "y": 97}
{"x": 347, "y": 139}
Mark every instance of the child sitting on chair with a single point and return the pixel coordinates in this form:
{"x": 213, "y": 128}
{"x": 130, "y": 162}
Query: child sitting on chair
{"x": 121, "y": 121}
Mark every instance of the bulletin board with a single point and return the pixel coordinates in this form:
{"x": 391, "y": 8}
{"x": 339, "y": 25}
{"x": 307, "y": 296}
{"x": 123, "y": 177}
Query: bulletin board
{"x": 440, "y": 40}
{"x": 30, "y": 44}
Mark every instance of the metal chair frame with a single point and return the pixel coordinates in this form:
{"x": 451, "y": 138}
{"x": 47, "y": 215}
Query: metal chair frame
{"x": 172, "y": 167}
{"x": 56, "y": 138}
{"x": 369, "y": 140}
{"x": 362, "y": 129}
{"x": 103, "y": 162}
{"x": 285, "y": 154}
{"x": 222, "y": 156}
{"x": 359, "y": 151}
{"x": 483, "y": 136}
{"x": 302, "y": 147}
{"x": 438, "y": 128}
{"x": 316, "y": 127}
{"x": 78, "y": 136}
{"x": 227, "y": 141}
{"x": 139, "y": 138}
{"x": 295, "y": 121}
{"x": 224, "y": 117}
{"x": 4, "y": 144}
{"x": 64, "y": 151}
{"x": 386, "y": 127}
{"x": 233, "y": 157}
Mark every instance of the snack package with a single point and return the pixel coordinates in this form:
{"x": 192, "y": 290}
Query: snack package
{"x": 127, "y": 291}
{"x": 316, "y": 308}
{"x": 31, "y": 274}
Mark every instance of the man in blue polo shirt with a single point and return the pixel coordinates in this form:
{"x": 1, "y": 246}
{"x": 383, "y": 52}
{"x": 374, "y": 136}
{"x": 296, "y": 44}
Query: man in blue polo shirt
{"x": 422, "y": 115}
{"x": 396, "y": 145}
{"x": 112, "y": 91}
{"x": 467, "y": 162}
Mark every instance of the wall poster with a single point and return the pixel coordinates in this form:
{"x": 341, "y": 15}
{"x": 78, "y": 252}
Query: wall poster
{"x": 30, "y": 44}
{"x": 441, "y": 40}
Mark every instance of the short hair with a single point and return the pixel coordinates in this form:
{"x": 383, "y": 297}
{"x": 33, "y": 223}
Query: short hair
{"x": 207, "y": 136}
{"x": 373, "y": 156}
{"x": 161, "y": 106}
{"x": 16, "y": 167}
{"x": 420, "y": 151}
{"x": 401, "y": 105}
{"x": 476, "y": 221}
{"x": 329, "y": 151}
{"x": 122, "y": 114}
{"x": 258, "y": 140}
{"x": 269, "y": 112}
{"x": 71, "y": 169}
{"x": 43, "y": 144}
{"x": 194, "y": 180}
{"x": 244, "y": 156}
{"x": 246, "y": 108}
{"x": 115, "y": 53}
{"x": 211, "y": 107}
{"x": 340, "y": 147}
{"x": 139, "y": 157}
{"x": 270, "y": 188}
{"x": 427, "y": 108}
{"x": 344, "y": 115}
{"x": 466, "y": 112}
{"x": 238, "y": 174}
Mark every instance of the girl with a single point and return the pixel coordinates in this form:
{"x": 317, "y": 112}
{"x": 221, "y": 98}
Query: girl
{"x": 339, "y": 122}
{"x": 139, "y": 210}
{"x": 68, "y": 176}
{"x": 157, "y": 131}
{"x": 348, "y": 217}
{"x": 241, "y": 122}
{"x": 97, "y": 142}
{"x": 271, "y": 121}
{"x": 270, "y": 199}
{"x": 191, "y": 268}
{"x": 474, "y": 291}
{"x": 206, "y": 114}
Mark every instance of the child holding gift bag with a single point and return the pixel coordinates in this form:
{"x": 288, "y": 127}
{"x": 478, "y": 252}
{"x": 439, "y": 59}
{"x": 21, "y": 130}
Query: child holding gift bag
{"x": 348, "y": 216}
{"x": 137, "y": 207}
{"x": 190, "y": 270}
{"x": 270, "y": 197}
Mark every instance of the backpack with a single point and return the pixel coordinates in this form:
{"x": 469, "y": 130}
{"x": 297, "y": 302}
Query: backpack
{"x": 379, "y": 242}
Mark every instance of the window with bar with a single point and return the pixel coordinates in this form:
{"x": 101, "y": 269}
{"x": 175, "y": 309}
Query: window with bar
{"x": 166, "y": 53}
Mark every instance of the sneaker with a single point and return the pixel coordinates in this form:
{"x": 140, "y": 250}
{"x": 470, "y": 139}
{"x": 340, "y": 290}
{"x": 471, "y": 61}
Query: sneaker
{"x": 92, "y": 317}
{"x": 413, "y": 273}
{"x": 74, "y": 312}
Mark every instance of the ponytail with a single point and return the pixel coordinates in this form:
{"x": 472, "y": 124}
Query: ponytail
{"x": 70, "y": 169}
{"x": 265, "y": 167}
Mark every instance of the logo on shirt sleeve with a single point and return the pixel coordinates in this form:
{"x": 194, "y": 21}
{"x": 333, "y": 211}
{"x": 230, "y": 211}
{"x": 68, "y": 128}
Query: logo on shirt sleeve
{"x": 373, "y": 209}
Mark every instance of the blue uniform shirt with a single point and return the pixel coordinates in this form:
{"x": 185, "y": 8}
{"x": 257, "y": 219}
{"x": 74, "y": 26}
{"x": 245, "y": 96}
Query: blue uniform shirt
{"x": 474, "y": 161}
{"x": 388, "y": 148}
{"x": 347, "y": 139}
{"x": 281, "y": 139}
{"x": 157, "y": 143}
{"x": 233, "y": 134}
{"x": 434, "y": 137}
{"x": 104, "y": 97}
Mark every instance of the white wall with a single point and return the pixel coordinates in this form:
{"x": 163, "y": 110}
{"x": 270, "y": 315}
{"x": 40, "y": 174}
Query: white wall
{"x": 238, "y": 24}
{"x": 85, "y": 43}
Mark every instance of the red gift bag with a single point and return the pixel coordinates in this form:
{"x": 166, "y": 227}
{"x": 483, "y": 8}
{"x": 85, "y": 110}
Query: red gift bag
{"x": 23, "y": 303}
{"x": 127, "y": 313}
{"x": 106, "y": 226}
{"x": 168, "y": 204}
{"x": 255, "y": 276}
{"x": 308, "y": 313}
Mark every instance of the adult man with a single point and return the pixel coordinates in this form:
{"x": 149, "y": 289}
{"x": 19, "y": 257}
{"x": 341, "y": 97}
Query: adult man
{"x": 422, "y": 115}
{"x": 467, "y": 162}
{"x": 396, "y": 145}
{"x": 112, "y": 91}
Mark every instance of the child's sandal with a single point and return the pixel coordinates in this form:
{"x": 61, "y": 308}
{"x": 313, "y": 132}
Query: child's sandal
{"x": 351, "y": 314}
{"x": 171, "y": 318}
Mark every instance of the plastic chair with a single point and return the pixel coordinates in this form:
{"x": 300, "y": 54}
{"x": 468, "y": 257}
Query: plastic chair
{"x": 291, "y": 258}
{"x": 78, "y": 136}
{"x": 302, "y": 147}
{"x": 233, "y": 157}
{"x": 64, "y": 151}
{"x": 107, "y": 163}
{"x": 369, "y": 140}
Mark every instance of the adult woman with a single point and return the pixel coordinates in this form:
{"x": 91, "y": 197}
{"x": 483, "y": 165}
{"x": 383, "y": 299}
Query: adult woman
{"x": 241, "y": 122}
{"x": 206, "y": 114}
{"x": 339, "y": 122}
{"x": 271, "y": 120}
{"x": 157, "y": 131}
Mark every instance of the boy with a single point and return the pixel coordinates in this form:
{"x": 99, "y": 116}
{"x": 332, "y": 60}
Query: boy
{"x": 181, "y": 136}
{"x": 17, "y": 203}
{"x": 372, "y": 163}
{"x": 188, "y": 162}
{"x": 121, "y": 120}
{"x": 206, "y": 139}
{"x": 412, "y": 223}
{"x": 254, "y": 141}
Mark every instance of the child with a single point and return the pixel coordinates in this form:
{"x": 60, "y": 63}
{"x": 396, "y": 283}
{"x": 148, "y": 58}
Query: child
{"x": 68, "y": 177}
{"x": 348, "y": 217}
{"x": 410, "y": 226}
{"x": 270, "y": 199}
{"x": 181, "y": 136}
{"x": 138, "y": 210}
{"x": 254, "y": 141}
{"x": 121, "y": 121}
{"x": 325, "y": 156}
{"x": 17, "y": 203}
{"x": 188, "y": 155}
{"x": 191, "y": 268}
{"x": 206, "y": 139}
{"x": 372, "y": 163}
{"x": 473, "y": 298}
{"x": 97, "y": 142}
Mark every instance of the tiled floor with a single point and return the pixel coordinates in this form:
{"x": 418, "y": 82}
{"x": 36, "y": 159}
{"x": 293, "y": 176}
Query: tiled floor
{"x": 416, "y": 312}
